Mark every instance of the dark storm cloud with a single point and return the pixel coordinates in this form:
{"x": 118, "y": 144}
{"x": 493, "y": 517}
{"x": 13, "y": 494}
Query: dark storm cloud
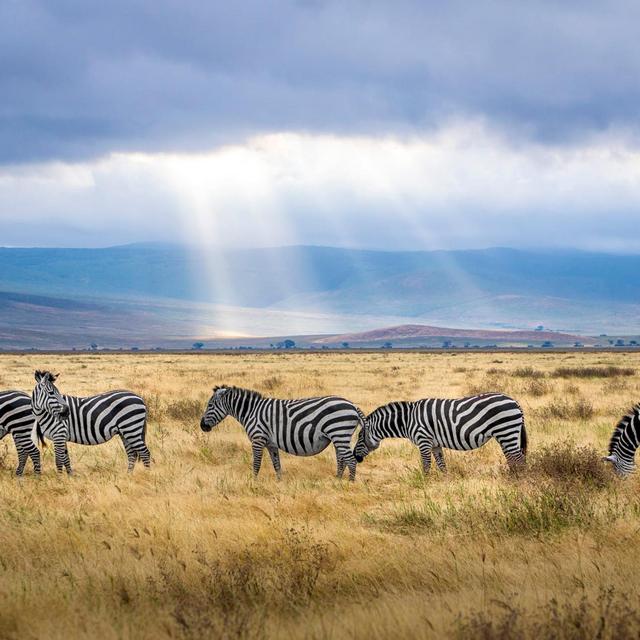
{"x": 80, "y": 79}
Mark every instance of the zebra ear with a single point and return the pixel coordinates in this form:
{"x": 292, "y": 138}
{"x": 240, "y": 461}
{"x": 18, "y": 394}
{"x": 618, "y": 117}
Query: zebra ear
{"x": 38, "y": 375}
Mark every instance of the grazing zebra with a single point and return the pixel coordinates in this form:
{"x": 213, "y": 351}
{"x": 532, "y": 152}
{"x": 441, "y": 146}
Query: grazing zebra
{"x": 624, "y": 442}
{"x": 301, "y": 427}
{"x": 461, "y": 424}
{"x": 91, "y": 420}
{"x": 17, "y": 419}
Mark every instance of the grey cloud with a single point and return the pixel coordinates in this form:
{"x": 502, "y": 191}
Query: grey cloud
{"x": 81, "y": 79}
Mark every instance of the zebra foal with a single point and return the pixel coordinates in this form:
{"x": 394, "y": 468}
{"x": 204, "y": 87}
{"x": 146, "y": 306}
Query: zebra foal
{"x": 302, "y": 427}
{"x": 16, "y": 418}
{"x": 461, "y": 424}
{"x": 91, "y": 420}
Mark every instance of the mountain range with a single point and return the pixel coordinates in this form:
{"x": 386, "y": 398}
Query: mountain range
{"x": 169, "y": 295}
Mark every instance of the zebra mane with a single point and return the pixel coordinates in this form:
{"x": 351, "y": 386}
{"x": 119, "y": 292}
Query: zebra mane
{"x": 242, "y": 390}
{"x": 46, "y": 375}
{"x": 621, "y": 426}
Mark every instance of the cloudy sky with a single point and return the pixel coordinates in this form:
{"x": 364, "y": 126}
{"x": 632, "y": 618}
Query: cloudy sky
{"x": 363, "y": 124}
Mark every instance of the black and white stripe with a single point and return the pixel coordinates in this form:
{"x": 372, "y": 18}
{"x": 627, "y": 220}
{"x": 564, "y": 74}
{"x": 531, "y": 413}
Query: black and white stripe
{"x": 16, "y": 418}
{"x": 91, "y": 420}
{"x": 301, "y": 427}
{"x": 461, "y": 424}
{"x": 624, "y": 442}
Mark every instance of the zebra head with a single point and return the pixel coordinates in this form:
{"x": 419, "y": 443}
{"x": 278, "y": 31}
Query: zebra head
{"x": 621, "y": 466}
{"x": 46, "y": 398}
{"x": 365, "y": 444}
{"x": 217, "y": 409}
{"x": 624, "y": 442}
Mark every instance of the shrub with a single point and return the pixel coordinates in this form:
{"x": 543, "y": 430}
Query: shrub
{"x": 272, "y": 383}
{"x": 233, "y": 597}
{"x": 185, "y": 409}
{"x": 564, "y": 460}
{"x": 607, "y": 616}
{"x": 537, "y": 387}
{"x": 592, "y": 372}
{"x": 579, "y": 409}
{"x": 528, "y": 372}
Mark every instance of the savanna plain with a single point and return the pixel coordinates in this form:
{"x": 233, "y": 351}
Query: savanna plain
{"x": 196, "y": 548}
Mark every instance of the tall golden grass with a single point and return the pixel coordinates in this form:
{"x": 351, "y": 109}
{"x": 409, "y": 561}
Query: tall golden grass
{"x": 195, "y": 548}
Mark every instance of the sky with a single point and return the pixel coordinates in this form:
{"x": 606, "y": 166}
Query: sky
{"x": 404, "y": 125}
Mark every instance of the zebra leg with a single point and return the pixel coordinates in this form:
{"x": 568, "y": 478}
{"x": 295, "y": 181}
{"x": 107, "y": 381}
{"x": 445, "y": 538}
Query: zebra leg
{"x": 257, "y": 447}
{"x": 510, "y": 445}
{"x": 132, "y": 454}
{"x": 345, "y": 455}
{"x": 425, "y": 455}
{"x": 340, "y": 464}
{"x": 439, "y": 458}
{"x": 62, "y": 455}
{"x": 22, "y": 460}
{"x": 275, "y": 459}
{"x": 34, "y": 454}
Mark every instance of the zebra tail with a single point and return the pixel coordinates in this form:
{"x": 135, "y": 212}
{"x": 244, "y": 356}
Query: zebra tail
{"x": 40, "y": 435}
{"x": 523, "y": 437}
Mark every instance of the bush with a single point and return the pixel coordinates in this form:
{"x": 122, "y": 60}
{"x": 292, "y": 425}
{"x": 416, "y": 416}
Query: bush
{"x": 185, "y": 410}
{"x": 607, "y": 616}
{"x": 234, "y": 597}
{"x": 579, "y": 409}
{"x": 592, "y": 372}
{"x": 565, "y": 460}
{"x": 537, "y": 387}
{"x": 528, "y": 372}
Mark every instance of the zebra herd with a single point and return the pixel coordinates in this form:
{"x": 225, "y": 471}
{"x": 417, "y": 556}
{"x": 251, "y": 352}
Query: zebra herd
{"x": 302, "y": 427}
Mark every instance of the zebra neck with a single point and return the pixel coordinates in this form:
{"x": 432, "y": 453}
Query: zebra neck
{"x": 241, "y": 407}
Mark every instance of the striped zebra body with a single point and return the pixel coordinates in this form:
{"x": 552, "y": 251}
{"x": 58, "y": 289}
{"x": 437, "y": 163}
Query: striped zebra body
{"x": 90, "y": 421}
{"x": 17, "y": 419}
{"x": 301, "y": 427}
{"x": 624, "y": 442}
{"x": 461, "y": 424}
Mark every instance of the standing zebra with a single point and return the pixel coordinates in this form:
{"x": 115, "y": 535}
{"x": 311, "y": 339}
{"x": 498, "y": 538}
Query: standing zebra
{"x": 91, "y": 420}
{"x": 462, "y": 424}
{"x": 301, "y": 427}
{"x": 624, "y": 442}
{"x": 17, "y": 419}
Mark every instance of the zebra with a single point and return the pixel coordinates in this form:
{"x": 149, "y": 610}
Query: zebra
{"x": 624, "y": 442}
{"x": 16, "y": 418}
{"x": 91, "y": 420}
{"x": 302, "y": 427}
{"x": 461, "y": 424}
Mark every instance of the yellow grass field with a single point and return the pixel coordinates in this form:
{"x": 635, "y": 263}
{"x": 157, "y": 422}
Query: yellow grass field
{"x": 195, "y": 548}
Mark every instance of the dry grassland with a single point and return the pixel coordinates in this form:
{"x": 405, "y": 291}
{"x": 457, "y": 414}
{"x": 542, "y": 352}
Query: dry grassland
{"x": 195, "y": 548}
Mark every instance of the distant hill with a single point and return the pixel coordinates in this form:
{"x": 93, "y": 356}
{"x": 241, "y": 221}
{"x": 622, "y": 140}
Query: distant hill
{"x": 167, "y": 292}
{"x": 419, "y": 334}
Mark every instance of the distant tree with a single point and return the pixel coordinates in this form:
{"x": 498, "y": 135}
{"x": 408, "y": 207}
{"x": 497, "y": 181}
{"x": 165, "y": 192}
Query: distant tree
{"x": 272, "y": 346}
{"x": 387, "y": 345}
{"x": 446, "y": 344}
{"x": 94, "y": 346}
{"x": 289, "y": 344}
{"x": 540, "y": 327}
{"x": 135, "y": 348}
{"x": 345, "y": 345}
{"x": 619, "y": 342}
{"x": 467, "y": 345}
{"x": 197, "y": 345}
{"x": 547, "y": 344}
